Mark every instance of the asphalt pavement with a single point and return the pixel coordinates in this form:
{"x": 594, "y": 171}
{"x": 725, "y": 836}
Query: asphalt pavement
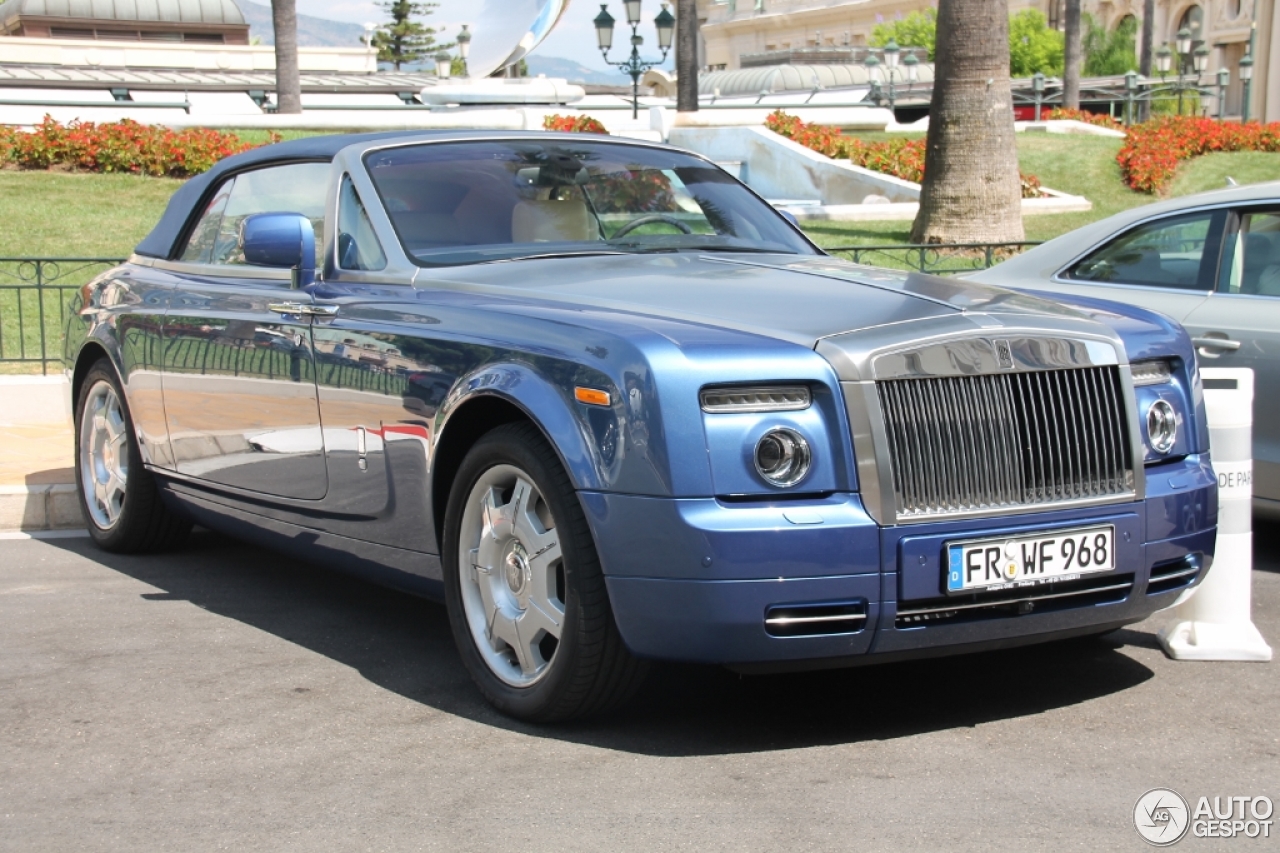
{"x": 227, "y": 698}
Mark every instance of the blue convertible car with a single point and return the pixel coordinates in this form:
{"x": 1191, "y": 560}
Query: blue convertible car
{"x": 612, "y": 407}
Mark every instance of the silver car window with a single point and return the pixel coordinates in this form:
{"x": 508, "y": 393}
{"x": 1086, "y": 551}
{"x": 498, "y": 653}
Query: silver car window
{"x": 358, "y": 246}
{"x": 1169, "y": 252}
{"x": 1254, "y": 255}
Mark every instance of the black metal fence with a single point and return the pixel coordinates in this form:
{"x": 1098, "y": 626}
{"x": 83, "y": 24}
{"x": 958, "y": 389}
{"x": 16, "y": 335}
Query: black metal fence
{"x": 34, "y": 296}
{"x": 35, "y": 292}
{"x": 936, "y": 258}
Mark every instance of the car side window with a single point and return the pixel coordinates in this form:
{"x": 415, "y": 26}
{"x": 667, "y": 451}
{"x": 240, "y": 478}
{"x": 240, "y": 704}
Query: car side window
{"x": 1253, "y": 266}
{"x": 358, "y": 246}
{"x": 1178, "y": 252}
{"x": 293, "y": 188}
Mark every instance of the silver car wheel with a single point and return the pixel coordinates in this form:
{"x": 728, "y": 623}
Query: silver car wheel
{"x": 511, "y": 576}
{"x": 104, "y": 455}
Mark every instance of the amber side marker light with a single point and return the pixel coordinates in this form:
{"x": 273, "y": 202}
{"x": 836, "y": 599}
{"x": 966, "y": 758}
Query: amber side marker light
{"x": 591, "y": 396}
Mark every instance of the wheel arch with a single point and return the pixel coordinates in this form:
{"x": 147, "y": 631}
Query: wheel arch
{"x": 90, "y": 354}
{"x": 502, "y": 395}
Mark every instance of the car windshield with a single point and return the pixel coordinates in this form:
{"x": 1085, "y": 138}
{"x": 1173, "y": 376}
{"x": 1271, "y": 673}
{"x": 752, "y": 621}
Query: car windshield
{"x": 473, "y": 202}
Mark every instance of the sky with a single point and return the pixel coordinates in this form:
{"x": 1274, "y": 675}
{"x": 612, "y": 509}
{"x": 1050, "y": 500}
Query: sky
{"x": 574, "y": 38}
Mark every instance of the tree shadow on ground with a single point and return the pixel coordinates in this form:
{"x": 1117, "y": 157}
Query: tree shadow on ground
{"x": 403, "y": 644}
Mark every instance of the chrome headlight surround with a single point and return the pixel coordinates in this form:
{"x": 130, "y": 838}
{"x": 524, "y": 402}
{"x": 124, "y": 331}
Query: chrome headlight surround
{"x": 782, "y": 457}
{"x": 1162, "y": 426}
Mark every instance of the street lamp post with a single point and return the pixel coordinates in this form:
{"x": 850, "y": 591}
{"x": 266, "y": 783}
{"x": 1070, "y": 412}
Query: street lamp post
{"x": 464, "y": 47}
{"x": 1183, "y": 44}
{"x": 665, "y": 23}
{"x": 444, "y": 64}
{"x": 1200, "y": 61}
{"x": 1037, "y": 88}
{"x": 1246, "y": 78}
{"x": 1130, "y": 94}
{"x": 894, "y": 64}
{"x": 1224, "y": 80}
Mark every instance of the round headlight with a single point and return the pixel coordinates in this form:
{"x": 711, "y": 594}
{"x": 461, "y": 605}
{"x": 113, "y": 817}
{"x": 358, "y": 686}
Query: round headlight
{"x": 1162, "y": 426}
{"x": 782, "y": 457}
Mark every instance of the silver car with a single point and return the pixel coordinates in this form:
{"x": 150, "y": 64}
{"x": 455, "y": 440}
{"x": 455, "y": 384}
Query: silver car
{"x": 1212, "y": 262}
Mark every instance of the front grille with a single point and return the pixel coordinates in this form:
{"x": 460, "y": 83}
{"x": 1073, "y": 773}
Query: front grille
{"x": 962, "y": 444}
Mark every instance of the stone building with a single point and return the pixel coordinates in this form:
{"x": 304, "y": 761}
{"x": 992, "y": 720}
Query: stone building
{"x": 738, "y": 28}
{"x": 187, "y": 21}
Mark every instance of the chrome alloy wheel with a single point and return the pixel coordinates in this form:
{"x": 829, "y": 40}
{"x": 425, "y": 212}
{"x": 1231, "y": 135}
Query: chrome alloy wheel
{"x": 104, "y": 455}
{"x": 511, "y": 575}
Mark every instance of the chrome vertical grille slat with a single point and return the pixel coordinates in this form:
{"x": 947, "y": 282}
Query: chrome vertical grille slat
{"x": 1001, "y": 441}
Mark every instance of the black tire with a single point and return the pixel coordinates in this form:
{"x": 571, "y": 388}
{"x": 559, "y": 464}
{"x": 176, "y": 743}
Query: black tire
{"x": 137, "y": 520}
{"x": 590, "y": 670}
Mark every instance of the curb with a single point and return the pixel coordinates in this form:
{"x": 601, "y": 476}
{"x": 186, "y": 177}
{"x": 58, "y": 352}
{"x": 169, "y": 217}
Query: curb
{"x": 45, "y": 507}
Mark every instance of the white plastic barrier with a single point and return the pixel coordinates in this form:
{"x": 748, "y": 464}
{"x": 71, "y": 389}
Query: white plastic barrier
{"x": 1213, "y": 622}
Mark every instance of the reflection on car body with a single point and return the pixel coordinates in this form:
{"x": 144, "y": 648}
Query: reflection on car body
{"x": 612, "y": 407}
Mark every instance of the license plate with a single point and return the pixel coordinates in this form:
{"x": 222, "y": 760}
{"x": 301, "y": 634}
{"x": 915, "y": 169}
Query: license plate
{"x": 1013, "y": 561}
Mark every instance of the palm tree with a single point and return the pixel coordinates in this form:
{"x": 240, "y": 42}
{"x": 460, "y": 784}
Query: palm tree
{"x": 284, "y": 19}
{"x": 687, "y": 55}
{"x": 1072, "y": 56}
{"x": 972, "y": 191}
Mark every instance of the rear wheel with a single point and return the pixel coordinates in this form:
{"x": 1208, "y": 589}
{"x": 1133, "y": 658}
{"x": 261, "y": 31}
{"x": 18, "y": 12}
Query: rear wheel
{"x": 119, "y": 498}
{"x": 525, "y": 592}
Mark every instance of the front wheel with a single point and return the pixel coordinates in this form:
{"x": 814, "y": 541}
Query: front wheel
{"x": 524, "y": 588}
{"x": 119, "y": 498}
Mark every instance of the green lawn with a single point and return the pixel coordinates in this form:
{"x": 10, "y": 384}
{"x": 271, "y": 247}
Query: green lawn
{"x": 1080, "y": 165}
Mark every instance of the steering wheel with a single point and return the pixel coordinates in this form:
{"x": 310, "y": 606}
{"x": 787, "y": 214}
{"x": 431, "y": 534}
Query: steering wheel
{"x": 649, "y": 218}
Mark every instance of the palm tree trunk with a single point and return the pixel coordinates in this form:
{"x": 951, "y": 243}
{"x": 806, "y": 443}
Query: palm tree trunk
{"x": 972, "y": 191}
{"x": 284, "y": 19}
{"x": 1072, "y": 59}
{"x": 687, "y": 56}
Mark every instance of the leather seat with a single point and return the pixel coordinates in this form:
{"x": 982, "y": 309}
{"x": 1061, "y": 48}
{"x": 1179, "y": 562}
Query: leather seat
{"x": 550, "y": 220}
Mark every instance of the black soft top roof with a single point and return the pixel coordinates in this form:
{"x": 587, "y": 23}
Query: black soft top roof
{"x": 161, "y": 242}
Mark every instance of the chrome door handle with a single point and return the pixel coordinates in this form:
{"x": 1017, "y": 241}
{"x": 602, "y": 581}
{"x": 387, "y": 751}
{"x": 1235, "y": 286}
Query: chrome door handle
{"x": 306, "y": 310}
{"x": 1216, "y": 343}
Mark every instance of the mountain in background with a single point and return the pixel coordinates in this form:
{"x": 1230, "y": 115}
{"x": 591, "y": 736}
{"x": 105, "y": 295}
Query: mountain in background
{"x": 312, "y": 32}
{"x": 321, "y": 32}
{"x": 574, "y": 72}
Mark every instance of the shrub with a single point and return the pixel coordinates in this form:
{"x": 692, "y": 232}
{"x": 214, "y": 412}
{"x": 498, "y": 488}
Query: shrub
{"x": 125, "y": 146}
{"x": 1152, "y": 151}
{"x": 902, "y": 158}
{"x": 573, "y": 124}
{"x": 1084, "y": 116}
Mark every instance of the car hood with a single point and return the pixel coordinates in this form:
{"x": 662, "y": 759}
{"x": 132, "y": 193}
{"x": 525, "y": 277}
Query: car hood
{"x": 802, "y": 299}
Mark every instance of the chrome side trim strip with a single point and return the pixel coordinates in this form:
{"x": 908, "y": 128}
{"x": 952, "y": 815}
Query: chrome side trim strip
{"x": 1004, "y": 601}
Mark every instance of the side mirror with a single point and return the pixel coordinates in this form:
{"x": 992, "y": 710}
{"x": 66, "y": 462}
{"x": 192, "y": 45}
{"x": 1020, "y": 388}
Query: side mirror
{"x": 790, "y": 217}
{"x": 281, "y": 240}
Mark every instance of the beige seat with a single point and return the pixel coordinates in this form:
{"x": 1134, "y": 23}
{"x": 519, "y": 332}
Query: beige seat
{"x": 545, "y": 221}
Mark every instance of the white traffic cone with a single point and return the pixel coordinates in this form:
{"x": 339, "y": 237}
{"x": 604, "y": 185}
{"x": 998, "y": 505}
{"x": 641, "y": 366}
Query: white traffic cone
{"x": 1213, "y": 621}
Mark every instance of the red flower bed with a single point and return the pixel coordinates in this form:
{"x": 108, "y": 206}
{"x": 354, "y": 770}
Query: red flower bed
{"x": 1152, "y": 151}
{"x": 902, "y": 158}
{"x": 1086, "y": 117}
{"x": 573, "y": 124}
{"x": 125, "y": 146}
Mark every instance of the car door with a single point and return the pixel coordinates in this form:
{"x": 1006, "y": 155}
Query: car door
{"x": 239, "y": 366}
{"x": 1168, "y": 264}
{"x": 1239, "y": 326}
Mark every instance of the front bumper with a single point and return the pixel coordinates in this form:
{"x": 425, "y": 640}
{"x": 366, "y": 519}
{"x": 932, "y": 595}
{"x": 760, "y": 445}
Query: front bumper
{"x": 697, "y": 579}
